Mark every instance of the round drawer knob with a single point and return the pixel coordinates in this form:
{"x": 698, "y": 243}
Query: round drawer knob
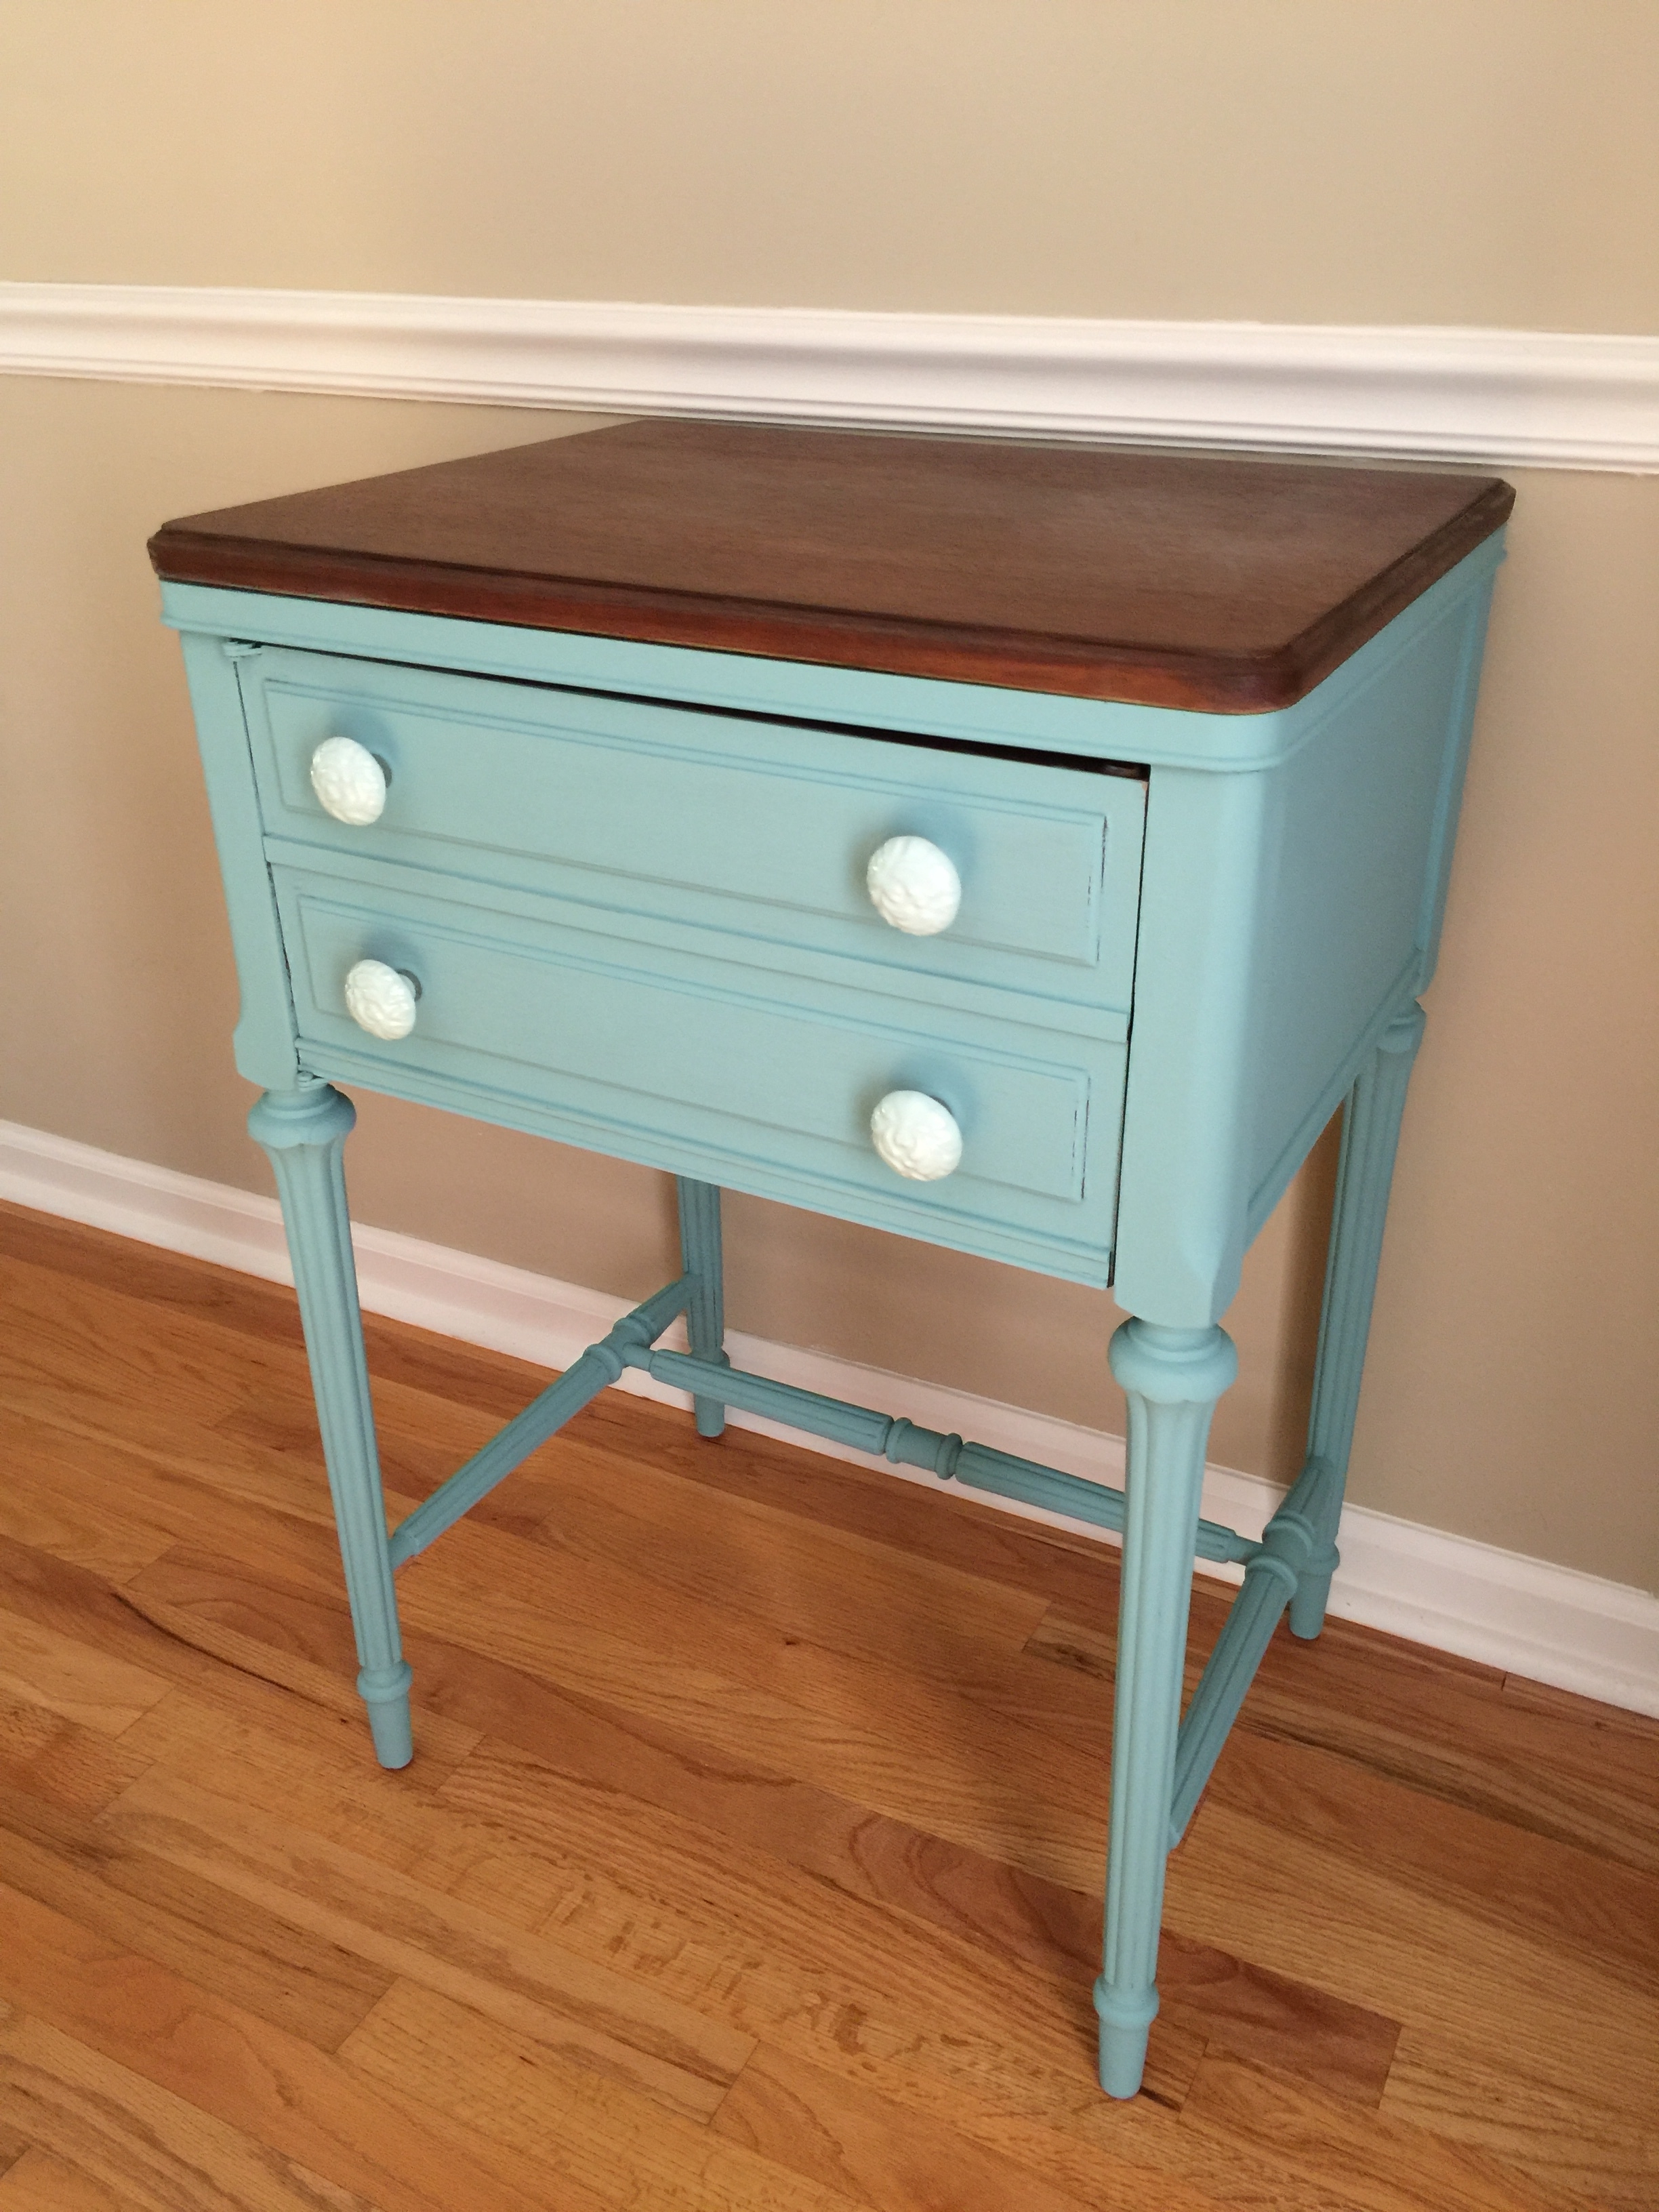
{"x": 348, "y": 780}
{"x": 917, "y": 1136}
{"x": 382, "y": 1000}
{"x": 914, "y": 886}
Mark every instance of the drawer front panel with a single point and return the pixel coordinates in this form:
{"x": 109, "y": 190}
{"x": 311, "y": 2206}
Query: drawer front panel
{"x": 755, "y": 828}
{"x": 681, "y": 1060}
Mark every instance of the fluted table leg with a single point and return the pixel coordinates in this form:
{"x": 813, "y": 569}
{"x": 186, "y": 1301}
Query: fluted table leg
{"x": 303, "y": 1132}
{"x": 1172, "y": 1377}
{"x": 1371, "y": 1138}
{"x": 705, "y": 1316}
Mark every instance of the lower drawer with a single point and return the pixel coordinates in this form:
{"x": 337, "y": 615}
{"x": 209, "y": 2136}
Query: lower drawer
{"x": 714, "y": 1068}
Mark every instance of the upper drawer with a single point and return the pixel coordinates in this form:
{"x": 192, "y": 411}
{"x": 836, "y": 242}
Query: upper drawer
{"x": 757, "y": 828}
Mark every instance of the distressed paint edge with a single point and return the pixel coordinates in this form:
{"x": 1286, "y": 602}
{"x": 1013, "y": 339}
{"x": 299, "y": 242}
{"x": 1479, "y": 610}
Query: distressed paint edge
{"x": 1542, "y": 399}
{"x": 1529, "y": 1617}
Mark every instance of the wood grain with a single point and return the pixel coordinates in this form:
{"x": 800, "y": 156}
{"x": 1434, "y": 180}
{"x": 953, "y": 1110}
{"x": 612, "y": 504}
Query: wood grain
{"x": 299, "y": 1979}
{"x": 275, "y": 2087}
{"x": 749, "y": 1857}
{"x": 42, "y": 2182}
{"x": 362, "y": 1909}
{"x": 1225, "y": 584}
{"x": 845, "y": 2136}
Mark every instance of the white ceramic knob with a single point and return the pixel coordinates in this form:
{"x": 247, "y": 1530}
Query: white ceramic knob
{"x": 348, "y": 780}
{"x": 914, "y": 886}
{"x": 382, "y": 1000}
{"x": 917, "y": 1136}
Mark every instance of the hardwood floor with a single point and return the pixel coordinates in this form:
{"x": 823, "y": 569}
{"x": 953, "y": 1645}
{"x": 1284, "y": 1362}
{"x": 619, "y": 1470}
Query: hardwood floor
{"x": 751, "y": 1852}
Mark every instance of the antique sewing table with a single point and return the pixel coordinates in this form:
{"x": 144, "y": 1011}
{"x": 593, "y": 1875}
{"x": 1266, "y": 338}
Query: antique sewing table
{"x": 1024, "y": 849}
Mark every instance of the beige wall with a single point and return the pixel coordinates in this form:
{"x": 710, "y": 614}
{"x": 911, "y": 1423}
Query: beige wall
{"x": 1295, "y": 160}
{"x": 1278, "y": 159}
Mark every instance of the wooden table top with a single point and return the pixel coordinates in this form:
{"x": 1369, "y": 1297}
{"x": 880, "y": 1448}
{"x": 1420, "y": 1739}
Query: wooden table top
{"x": 1223, "y": 583}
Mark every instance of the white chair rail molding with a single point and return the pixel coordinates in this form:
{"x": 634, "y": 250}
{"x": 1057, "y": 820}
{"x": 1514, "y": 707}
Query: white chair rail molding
{"x": 1540, "y": 399}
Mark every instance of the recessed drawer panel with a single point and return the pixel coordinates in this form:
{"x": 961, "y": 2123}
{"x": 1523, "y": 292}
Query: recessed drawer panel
{"x": 705, "y": 1066}
{"x": 748, "y": 826}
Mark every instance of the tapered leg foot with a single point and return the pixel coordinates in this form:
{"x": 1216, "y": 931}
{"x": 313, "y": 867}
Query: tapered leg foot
{"x": 1172, "y": 1378}
{"x": 385, "y": 1693}
{"x": 1371, "y": 1138}
{"x": 303, "y": 1131}
{"x": 705, "y": 1318}
{"x": 1313, "y": 1594}
{"x": 1123, "y": 2041}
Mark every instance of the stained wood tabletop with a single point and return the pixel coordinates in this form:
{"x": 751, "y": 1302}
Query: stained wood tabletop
{"x": 1221, "y": 583}
{"x": 751, "y": 1854}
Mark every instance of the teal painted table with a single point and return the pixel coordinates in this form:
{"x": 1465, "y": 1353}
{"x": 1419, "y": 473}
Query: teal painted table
{"x": 1027, "y": 850}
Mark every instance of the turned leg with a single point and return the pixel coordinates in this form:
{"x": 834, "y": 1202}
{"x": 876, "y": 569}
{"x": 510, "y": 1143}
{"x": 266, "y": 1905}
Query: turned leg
{"x": 1370, "y": 1136}
{"x": 303, "y": 1132}
{"x": 705, "y": 1317}
{"x": 1172, "y": 1377}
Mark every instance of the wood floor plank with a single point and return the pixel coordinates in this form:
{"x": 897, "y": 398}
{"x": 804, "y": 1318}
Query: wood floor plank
{"x": 61, "y": 1762}
{"x": 78, "y": 1609}
{"x": 143, "y": 1502}
{"x": 1373, "y": 2162}
{"x": 297, "y": 2100}
{"x": 1332, "y": 1918}
{"x": 184, "y": 1919}
{"x": 836, "y": 1589}
{"x": 331, "y": 1787}
{"x": 706, "y": 1923}
{"x": 171, "y": 1283}
{"x": 40, "y": 1666}
{"x": 168, "y": 1283}
{"x": 1018, "y": 1917}
{"x": 900, "y": 1741}
{"x": 663, "y": 1897}
{"x": 1572, "y": 2141}
{"x": 296, "y": 1640}
{"x": 56, "y": 1499}
{"x": 925, "y": 1520}
{"x": 232, "y": 1409}
{"x": 1026, "y": 1923}
{"x": 1512, "y": 1878}
{"x": 13, "y": 2142}
{"x": 154, "y": 2148}
{"x": 1446, "y": 1730}
{"x": 41, "y": 2182}
{"x": 685, "y": 2059}
{"x": 584, "y": 2128}
{"x": 892, "y": 2159}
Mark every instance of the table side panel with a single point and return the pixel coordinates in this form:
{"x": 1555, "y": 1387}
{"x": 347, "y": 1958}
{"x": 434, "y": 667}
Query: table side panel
{"x": 1352, "y": 887}
{"x": 1286, "y": 914}
{"x": 264, "y": 1042}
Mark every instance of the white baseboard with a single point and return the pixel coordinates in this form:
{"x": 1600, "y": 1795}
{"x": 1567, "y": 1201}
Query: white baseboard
{"x": 1526, "y": 1616}
{"x": 1543, "y": 398}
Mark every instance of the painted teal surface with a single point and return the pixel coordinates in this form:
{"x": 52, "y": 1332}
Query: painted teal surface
{"x": 638, "y": 926}
{"x": 302, "y": 1131}
{"x": 702, "y": 1256}
{"x": 1171, "y": 1378}
{"x": 1287, "y": 914}
{"x": 264, "y": 1038}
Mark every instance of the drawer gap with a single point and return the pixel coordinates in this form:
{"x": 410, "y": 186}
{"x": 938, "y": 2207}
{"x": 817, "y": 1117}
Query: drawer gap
{"x": 976, "y": 748}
